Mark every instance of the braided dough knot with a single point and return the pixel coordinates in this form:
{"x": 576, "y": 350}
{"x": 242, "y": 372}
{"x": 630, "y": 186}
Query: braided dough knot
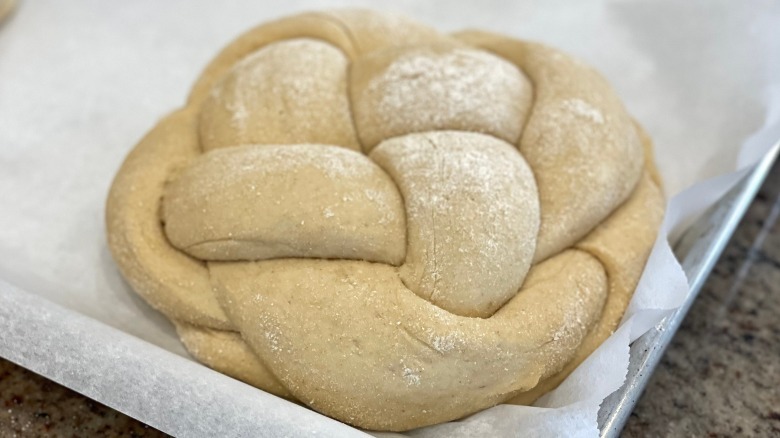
{"x": 393, "y": 226}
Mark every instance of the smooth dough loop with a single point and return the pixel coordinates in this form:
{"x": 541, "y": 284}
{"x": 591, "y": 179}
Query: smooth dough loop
{"x": 394, "y": 226}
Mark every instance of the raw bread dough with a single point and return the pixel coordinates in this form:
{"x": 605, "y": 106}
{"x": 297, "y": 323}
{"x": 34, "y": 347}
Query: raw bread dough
{"x": 393, "y": 226}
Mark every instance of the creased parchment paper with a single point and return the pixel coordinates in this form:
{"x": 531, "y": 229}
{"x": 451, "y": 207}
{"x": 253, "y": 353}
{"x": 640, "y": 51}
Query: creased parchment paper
{"x": 82, "y": 81}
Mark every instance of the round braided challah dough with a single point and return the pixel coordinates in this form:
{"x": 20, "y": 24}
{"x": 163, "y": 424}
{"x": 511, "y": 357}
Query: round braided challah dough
{"x": 393, "y": 226}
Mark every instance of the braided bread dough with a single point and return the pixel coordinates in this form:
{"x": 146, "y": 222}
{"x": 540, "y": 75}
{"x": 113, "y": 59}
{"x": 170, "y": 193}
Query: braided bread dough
{"x": 393, "y": 226}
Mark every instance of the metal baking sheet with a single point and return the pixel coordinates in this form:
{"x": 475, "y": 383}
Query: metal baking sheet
{"x": 698, "y": 250}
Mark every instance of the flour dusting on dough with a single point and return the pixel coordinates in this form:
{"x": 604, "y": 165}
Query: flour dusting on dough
{"x": 584, "y": 109}
{"x": 411, "y": 376}
{"x": 459, "y": 88}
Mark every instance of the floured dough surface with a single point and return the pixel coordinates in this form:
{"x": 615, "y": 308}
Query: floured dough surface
{"x": 393, "y": 226}
{"x": 256, "y": 202}
{"x": 288, "y": 92}
{"x": 473, "y": 217}
{"x": 437, "y": 86}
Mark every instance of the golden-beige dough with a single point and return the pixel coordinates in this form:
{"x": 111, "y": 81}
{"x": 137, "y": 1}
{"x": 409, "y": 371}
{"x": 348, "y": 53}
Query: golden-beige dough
{"x": 393, "y": 226}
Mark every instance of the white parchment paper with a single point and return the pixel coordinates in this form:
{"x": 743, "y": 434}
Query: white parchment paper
{"x": 82, "y": 81}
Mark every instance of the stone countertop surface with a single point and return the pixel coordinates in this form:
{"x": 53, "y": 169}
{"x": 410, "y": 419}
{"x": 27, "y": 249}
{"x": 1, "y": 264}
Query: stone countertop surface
{"x": 720, "y": 376}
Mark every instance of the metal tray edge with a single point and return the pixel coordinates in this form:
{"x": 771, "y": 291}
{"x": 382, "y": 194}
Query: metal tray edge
{"x": 698, "y": 250}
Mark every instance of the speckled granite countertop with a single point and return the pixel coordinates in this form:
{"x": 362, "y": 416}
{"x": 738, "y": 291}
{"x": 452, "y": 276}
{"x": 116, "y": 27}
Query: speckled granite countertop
{"x": 720, "y": 376}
